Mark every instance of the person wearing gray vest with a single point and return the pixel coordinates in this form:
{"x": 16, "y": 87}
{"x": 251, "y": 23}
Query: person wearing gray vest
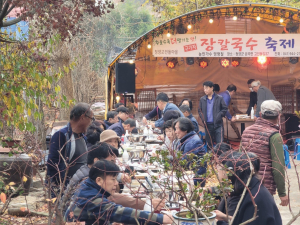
{"x": 263, "y": 139}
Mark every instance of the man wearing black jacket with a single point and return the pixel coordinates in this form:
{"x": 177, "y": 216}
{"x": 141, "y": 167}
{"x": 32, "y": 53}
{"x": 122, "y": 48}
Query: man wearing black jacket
{"x": 212, "y": 109}
{"x": 253, "y": 97}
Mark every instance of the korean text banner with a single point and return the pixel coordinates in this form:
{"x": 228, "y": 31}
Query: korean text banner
{"x": 227, "y": 45}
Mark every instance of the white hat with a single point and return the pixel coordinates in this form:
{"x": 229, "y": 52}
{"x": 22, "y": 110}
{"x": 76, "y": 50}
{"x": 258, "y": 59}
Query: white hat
{"x": 271, "y": 108}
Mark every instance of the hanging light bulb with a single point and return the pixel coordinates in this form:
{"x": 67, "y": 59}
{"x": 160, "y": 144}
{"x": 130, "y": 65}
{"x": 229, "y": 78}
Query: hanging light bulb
{"x": 131, "y": 61}
{"x": 281, "y": 20}
{"x": 118, "y": 98}
{"x": 258, "y": 18}
{"x": 189, "y": 26}
{"x": 168, "y": 34}
{"x": 234, "y": 18}
{"x": 211, "y": 21}
{"x": 149, "y": 45}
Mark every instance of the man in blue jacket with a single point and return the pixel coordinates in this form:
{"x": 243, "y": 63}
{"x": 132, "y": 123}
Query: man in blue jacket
{"x": 121, "y": 127}
{"x": 71, "y": 143}
{"x": 163, "y": 104}
{"x": 227, "y": 95}
{"x": 185, "y": 109}
{"x": 112, "y": 118}
{"x": 91, "y": 205}
{"x": 212, "y": 109}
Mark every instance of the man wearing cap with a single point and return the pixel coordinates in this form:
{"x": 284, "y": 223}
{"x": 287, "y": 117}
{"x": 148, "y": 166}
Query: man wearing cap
{"x": 121, "y": 127}
{"x": 263, "y": 138}
{"x": 123, "y": 113}
{"x": 263, "y": 94}
{"x": 112, "y": 117}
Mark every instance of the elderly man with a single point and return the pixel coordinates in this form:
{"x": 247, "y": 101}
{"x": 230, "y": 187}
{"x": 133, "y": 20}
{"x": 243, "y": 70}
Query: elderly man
{"x": 263, "y": 139}
{"x": 185, "y": 109}
{"x": 70, "y": 142}
{"x": 263, "y": 94}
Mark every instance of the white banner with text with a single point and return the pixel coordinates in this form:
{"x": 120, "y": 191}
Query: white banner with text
{"x": 227, "y": 45}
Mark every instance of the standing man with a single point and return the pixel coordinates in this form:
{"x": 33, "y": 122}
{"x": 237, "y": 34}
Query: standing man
{"x": 163, "y": 104}
{"x": 112, "y": 117}
{"x": 121, "y": 127}
{"x": 123, "y": 113}
{"x": 212, "y": 109}
{"x": 253, "y": 97}
{"x": 263, "y": 139}
{"x": 263, "y": 94}
{"x": 70, "y": 141}
{"x": 227, "y": 95}
{"x": 185, "y": 109}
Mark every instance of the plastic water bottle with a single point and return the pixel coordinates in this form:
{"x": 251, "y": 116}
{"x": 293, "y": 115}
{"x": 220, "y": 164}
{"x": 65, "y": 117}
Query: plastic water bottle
{"x": 252, "y": 113}
{"x": 126, "y": 137}
{"x": 125, "y": 156}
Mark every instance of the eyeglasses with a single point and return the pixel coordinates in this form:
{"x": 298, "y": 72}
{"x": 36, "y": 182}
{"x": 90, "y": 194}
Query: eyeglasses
{"x": 92, "y": 118}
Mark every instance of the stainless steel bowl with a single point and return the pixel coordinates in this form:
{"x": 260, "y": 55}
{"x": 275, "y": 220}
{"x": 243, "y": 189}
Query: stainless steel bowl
{"x": 137, "y": 138}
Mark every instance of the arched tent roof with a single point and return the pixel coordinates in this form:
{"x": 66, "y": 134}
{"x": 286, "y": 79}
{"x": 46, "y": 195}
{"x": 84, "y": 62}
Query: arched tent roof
{"x": 157, "y": 76}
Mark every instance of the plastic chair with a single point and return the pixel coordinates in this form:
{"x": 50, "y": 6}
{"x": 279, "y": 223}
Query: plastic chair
{"x": 297, "y": 149}
{"x": 287, "y": 156}
{"x": 202, "y": 134}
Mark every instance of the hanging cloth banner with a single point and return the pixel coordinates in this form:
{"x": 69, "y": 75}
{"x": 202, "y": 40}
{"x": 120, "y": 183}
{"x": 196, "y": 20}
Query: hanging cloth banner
{"x": 227, "y": 45}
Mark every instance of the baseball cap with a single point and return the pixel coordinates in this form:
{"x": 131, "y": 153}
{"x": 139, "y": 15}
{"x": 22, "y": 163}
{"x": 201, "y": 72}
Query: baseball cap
{"x": 271, "y": 108}
{"x": 123, "y": 109}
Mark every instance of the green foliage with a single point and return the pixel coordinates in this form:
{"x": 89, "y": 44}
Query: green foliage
{"x": 26, "y": 81}
{"x": 124, "y": 24}
{"x": 169, "y": 9}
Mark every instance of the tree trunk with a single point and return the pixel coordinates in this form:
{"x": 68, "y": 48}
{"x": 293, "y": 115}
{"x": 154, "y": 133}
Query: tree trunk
{"x": 61, "y": 60}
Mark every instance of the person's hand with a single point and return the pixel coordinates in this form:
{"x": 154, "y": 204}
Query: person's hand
{"x": 145, "y": 121}
{"x": 126, "y": 178}
{"x": 220, "y": 216}
{"x": 161, "y": 137}
{"x": 233, "y": 119}
{"x": 284, "y": 200}
{"x": 168, "y": 219}
{"x": 152, "y": 124}
{"x": 158, "y": 203}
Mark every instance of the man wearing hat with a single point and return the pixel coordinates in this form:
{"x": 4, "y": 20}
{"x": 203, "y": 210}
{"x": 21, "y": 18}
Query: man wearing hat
{"x": 263, "y": 138}
{"x": 123, "y": 113}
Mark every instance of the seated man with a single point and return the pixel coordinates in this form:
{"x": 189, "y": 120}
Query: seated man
{"x": 188, "y": 114}
{"x": 164, "y": 105}
{"x": 121, "y": 127}
{"x": 91, "y": 204}
{"x": 102, "y": 151}
{"x": 112, "y": 117}
{"x": 123, "y": 113}
{"x": 190, "y": 143}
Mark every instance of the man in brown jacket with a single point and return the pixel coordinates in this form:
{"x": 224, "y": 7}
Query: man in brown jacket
{"x": 263, "y": 139}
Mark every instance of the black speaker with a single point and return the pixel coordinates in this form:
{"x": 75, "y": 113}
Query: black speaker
{"x": 125, "y": 78}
